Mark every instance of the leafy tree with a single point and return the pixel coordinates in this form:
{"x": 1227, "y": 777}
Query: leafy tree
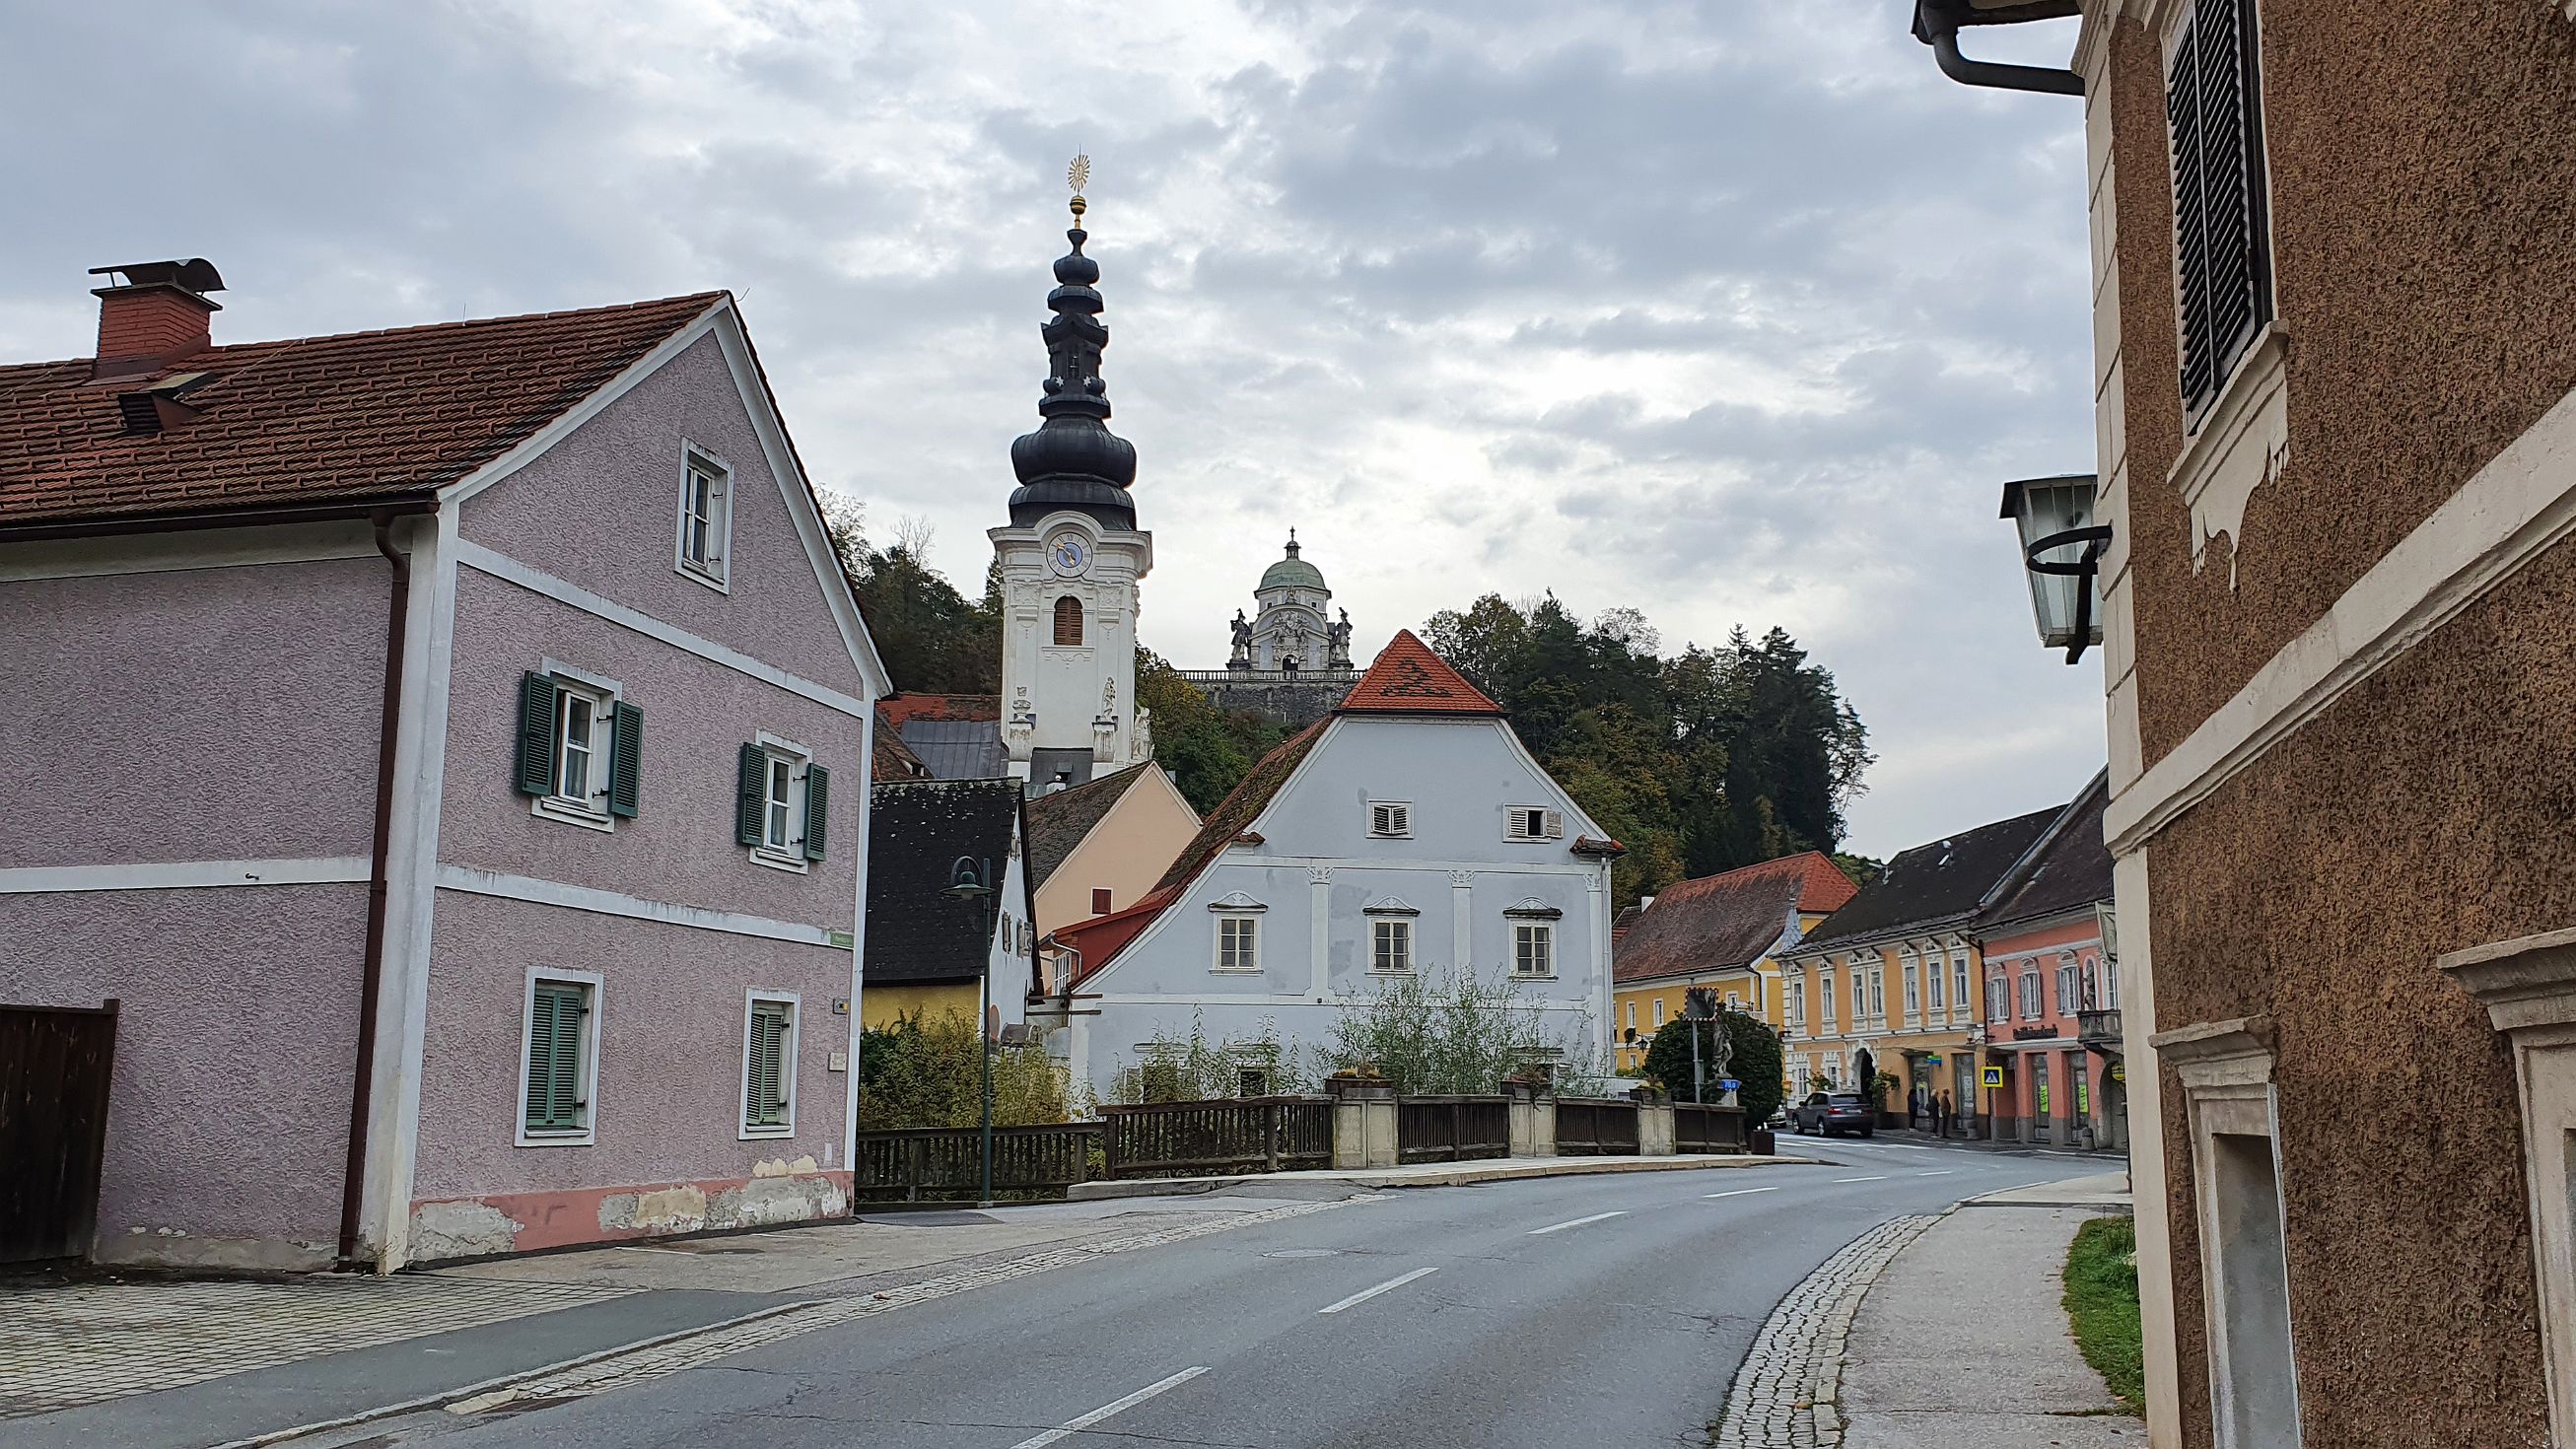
{"x": 931, "y": 638}
{"x": 1756, "y": 1061}
{"x": 1445, "y": 1032}
{"x": 924, "y": 1073}
{"x": 1861, "y": 868}
{"x": 1205, "y": 750}
{"x": 1193, "y": 1069}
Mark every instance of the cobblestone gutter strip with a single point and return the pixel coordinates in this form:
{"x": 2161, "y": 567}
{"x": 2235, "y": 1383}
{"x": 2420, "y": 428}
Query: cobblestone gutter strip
{"x": 618, "y": 1368}
{"x": 1784, "y": 1394}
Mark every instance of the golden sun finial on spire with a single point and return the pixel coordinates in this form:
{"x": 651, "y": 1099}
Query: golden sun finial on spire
{"x": 1078, "y": 176}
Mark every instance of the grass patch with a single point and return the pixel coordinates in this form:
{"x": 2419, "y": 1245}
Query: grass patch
{"x": 2102, "y": 1302}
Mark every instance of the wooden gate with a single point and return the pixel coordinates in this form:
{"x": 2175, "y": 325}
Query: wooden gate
{"x": 55, "y": 1063}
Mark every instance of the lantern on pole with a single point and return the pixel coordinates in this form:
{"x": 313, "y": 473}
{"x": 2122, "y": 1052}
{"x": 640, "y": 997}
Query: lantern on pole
{"x": 972, "y": 886}
{"x": 2062, "y": 546}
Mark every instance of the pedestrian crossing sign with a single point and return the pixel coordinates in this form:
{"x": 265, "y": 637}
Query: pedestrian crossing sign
{"x": 1994, "y": 1076}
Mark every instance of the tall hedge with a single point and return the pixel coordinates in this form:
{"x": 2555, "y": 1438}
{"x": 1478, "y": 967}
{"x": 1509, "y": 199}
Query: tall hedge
{"x": 1757, "y": 1061}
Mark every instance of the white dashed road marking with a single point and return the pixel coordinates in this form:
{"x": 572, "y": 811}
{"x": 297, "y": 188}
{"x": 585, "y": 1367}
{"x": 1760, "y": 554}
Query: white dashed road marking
{"x": 1944, "y": 1172}
{"x": 1881, "y": 1177}
{"x": 1366, "y": 1294}
{"x": 1741, "y": 1191}
{"x": 1576, "y": 1222}
{"x": 1115, "y": 1406}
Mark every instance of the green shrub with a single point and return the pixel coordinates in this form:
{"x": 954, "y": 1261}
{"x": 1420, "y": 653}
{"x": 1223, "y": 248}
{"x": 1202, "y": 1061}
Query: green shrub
{"x": 1756, "y": 1060}
{"x": 2102, "y": 1303}
{"x": 923, "y": 1073}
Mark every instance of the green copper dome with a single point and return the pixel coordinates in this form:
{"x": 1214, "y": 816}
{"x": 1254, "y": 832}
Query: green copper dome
{"x": 1291, "y": 572}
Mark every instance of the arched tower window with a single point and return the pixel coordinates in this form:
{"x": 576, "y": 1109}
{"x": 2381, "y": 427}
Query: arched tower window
{"x": 1068, "y": 620}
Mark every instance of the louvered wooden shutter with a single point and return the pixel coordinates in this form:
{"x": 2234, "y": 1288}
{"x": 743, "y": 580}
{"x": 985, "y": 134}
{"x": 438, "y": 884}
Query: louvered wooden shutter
{"x": 2222, "y": 248}
{"x": 1554, "y": 823}
{"x": 818, "y": 809}
{"x": 536, "y": 734}
{"x": 764, "y": 1086}
{"x": 625, "y": 746}
{"x": 751, "y": 794}
{"x": 555, "y": 1012}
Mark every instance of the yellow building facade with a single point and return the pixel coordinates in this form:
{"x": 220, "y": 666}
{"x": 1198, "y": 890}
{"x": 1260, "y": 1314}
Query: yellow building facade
{"x": 1722, "y": 932}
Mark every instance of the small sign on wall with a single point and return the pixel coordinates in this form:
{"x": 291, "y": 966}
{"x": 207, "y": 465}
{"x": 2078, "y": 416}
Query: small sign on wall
{"x": 840, "y": 1062}
{"x": 843, "y": 940}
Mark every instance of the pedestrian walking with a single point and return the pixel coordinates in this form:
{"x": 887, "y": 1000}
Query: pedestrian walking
{"x": 1942, "y": 1115}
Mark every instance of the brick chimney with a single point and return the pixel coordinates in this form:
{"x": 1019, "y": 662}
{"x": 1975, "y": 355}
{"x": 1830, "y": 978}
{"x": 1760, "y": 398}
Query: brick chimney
{"x": 158, "y": 312}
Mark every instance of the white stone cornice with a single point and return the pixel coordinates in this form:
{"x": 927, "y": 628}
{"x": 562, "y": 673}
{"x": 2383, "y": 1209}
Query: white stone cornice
{"x": 2526, "y": 982}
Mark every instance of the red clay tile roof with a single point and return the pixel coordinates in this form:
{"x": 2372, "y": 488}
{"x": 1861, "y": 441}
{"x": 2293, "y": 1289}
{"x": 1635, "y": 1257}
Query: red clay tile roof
{"x": 893, "y": 759}
{"x": 1729, "y": 920}
{"x": 1407, "y": 678}
{"x": 1232, "y": 816}
{"x": 902, "y": 709}
{"x": 308, "y": 420}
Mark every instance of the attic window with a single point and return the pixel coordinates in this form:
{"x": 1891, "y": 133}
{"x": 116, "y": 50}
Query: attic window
{"x": 1390, "y": 819}
{"x": 706, "y": 517}
{"x": 1533, "y": 822}
{"x": 156, "y": 408}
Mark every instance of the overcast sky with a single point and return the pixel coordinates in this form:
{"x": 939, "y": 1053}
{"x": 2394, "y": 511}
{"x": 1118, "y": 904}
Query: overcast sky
{"x": 1735, "y": 313}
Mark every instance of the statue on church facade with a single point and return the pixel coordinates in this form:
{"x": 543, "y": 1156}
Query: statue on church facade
{"x": 1242, "y": 656}
{"x": 1338, "y": 637}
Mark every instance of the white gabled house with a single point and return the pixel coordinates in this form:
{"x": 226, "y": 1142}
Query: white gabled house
{"x": 1408, "y": 832}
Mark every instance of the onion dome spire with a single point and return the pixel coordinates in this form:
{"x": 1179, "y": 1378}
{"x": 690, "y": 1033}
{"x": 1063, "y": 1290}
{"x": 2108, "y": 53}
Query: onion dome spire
{"x": 1073, "y": 461}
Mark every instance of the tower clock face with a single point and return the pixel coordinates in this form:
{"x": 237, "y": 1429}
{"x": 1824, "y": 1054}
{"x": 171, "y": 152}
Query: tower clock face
{"x": 1068, "y": 554}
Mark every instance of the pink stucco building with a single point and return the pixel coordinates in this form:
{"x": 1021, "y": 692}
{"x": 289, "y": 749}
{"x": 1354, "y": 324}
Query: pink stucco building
{"x": 451, "y": 748}
{"x": 2052, "y": 992}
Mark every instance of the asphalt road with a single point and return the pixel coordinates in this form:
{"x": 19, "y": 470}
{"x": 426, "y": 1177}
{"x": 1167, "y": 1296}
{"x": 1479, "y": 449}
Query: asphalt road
{"x": 1577, "y": 1311}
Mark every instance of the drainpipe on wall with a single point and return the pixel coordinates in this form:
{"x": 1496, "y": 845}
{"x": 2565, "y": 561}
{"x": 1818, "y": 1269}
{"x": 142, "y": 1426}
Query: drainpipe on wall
{"x": 1936, "y": 24}
{"x": 379, "y": 891}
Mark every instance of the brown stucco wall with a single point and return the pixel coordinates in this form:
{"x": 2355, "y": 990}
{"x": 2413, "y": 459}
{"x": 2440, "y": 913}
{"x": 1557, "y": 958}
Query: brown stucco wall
{"x": 2422, "y": 813}
{"x": 2424, "y": 224}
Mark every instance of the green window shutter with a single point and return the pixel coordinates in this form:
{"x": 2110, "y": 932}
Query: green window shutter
{"x": 541, "y": 1058}
{"x": 625, "y": 745}
{"x": 751, "y": 794}
{"x": 764, "y": 1083}
{"x": 818, "y": 809}
{"x": 555, "y": 1012}
{"x": 536, "y": 734}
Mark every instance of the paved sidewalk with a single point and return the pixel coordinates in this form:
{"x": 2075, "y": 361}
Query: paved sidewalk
{"x": 1962, "y": 1342}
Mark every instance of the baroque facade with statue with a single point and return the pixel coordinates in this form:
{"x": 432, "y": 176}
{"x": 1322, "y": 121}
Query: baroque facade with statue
{"x": 1291, "y": 661}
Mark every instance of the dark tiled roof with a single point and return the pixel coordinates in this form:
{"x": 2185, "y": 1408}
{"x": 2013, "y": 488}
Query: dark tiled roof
{"x": 958, "y": 749}
{"x": 2070, "y": 870}
{"x": 918, "y": 932}
{"x": 1721, "y": 921}
{"x": 1058, "y": 822}
{"x": 1407, "y": 678}
{"x": 1939, "y": 884}
{"x": 360, "y": 417}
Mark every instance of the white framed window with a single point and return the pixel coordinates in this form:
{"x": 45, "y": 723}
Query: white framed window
{"x": 1933, "y": 977}
{"x": 558, "y": 1058}
{"x": 1877, "y": 991}
{"x": 1659, "y": 1011}
{"x": 1390, "y": 819}
{"x": 783, "y": 803}
{"x": 1533, "y": 822}
{"x": 1734, "y": 1001}
{"x": 1391, "y": 946}
{"x": 1632, "y": 1016}
{"x": 1825, "y": 995}
{"x": 1959, "y": 982}
{"x": 1794, "y": 991}
{"x": 1534, "y": 949}
{"x": 706, "y": 517}
{"x": 1238, "y": 944}
{"x": 2068, "y": 1002}
{"x": 2030, "y": 993}
{"x": 2110, "y": 984}
{"x": 577, "y": 747}
{"x": 1998, "y": 999}
{"x": 1913, "y": 992}
{"x": 1859, "y": 992}
{"x": 768, "y": 1063}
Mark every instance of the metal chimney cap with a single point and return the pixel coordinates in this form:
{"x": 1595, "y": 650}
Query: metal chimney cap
{"x": 195, "y": 274}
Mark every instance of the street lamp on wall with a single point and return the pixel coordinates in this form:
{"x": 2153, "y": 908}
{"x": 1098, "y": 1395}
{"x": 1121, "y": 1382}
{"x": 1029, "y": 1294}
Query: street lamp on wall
{"x": 2062, "y": 546}
{"x": 974, "y": 888}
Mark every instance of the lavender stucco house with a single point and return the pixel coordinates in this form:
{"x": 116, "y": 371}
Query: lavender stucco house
{"x": 451, "y": 747}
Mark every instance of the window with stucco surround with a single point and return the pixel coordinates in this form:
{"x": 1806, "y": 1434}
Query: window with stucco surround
{"x": 2528, "y": 987}
{"x": 768, "y": 1063}
{"x": 2068, "y": 1000}
{"x": 1825, "y": 995}
{"x": 1793, "y": 996}
{"x": 706, "y": 518}
{"x": 2030, "y": 992}
{"x": 1659, "y": 1011}
{"x": 783, "y": 803}
{"x": 1933, "y": 979}
{"x": 1959, "y": 1004}
{"x": 1390, "y": 946}
{"x": 1913, "y": 990}
{"x": 1238, "y": 944}
{"x": 579, "y": 747}
{"x": 1534, "y": 953}
{"x": 2231, "y": 1113}
{"x": 1532, "y": 822}
{"x": 1998, "y": 1000}
{"x": 558, "y": 1058}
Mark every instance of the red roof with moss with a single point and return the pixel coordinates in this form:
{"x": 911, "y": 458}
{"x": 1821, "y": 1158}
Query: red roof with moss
{"x": 1724, "y": 921}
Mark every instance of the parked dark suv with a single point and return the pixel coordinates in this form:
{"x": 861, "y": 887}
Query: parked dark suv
{"x": 1833, "y": 1113}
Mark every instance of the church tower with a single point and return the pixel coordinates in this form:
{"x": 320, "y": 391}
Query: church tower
{"x": 1072, "y": 555}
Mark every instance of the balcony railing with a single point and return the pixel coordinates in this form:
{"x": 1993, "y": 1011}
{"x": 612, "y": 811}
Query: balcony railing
{"x": 2098, "y": 1028}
